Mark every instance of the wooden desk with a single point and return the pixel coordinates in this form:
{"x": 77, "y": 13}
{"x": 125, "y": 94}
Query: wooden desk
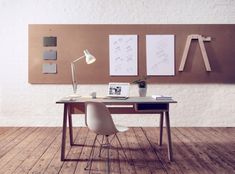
{"x": 132, "y": 105}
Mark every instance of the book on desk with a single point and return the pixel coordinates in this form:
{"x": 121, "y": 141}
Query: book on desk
{"x": 161, "y": 97}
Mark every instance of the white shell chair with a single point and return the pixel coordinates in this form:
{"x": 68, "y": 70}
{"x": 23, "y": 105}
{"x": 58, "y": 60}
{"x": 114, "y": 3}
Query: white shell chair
{"x": 99, "y": 120}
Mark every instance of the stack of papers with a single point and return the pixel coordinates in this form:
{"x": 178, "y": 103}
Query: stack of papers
{"x": 161, "y": 97}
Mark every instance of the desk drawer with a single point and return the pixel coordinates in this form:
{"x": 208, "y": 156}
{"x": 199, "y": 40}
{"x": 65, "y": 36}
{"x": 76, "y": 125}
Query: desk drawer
{"x": 151, "y": 107}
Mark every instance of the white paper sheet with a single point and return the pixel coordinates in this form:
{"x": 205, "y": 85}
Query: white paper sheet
{"x": 160, "y": 55}
{"x": 123, "y": 55}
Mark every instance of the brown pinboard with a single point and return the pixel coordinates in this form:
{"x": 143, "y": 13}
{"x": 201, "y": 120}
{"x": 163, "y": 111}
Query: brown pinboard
{"x": 72, "y": 39}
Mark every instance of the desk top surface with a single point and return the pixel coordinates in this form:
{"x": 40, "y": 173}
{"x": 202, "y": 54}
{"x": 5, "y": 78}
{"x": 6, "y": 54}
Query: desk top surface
{"x": 66, "y": 100}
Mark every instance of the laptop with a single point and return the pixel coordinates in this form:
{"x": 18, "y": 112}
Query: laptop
{"x": 118, "y": 90}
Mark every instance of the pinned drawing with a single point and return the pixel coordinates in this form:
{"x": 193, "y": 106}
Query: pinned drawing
{"x": 123, "y": 55}
{"x": 160, "y": 55}
{"x": 201, "y": 41}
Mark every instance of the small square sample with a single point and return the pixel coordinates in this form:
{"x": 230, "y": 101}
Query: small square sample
{"x": 50, "y": 55}
{"x": 49, "y": 68}
{"x": 50, "y": 41}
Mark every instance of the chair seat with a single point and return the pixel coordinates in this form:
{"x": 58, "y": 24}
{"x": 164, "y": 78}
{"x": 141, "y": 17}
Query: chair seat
{"x": 121, "y": 128}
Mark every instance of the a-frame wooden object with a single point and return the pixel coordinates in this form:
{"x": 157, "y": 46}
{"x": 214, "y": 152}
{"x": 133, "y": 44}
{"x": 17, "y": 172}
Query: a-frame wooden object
{"x": 201, "y": 40}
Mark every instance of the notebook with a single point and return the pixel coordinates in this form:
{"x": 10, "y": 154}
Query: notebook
{"x": 118, "y": 90}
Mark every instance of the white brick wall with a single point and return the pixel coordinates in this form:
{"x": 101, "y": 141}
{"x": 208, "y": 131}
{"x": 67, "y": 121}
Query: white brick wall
{"x": 22, "y": 104}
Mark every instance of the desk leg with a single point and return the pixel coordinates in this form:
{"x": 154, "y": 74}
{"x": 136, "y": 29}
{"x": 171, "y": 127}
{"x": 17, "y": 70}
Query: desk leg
{"x": 70, "y": 127}
{"x": 170, "y": 155}
{"x": 161, "y": 128}
{"x": 64, "y": 133}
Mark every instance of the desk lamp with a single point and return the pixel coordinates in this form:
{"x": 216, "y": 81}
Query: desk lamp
{"x": 89, "y": 60}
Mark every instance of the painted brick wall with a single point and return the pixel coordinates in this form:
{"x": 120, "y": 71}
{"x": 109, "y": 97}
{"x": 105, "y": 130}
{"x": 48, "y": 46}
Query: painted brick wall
{"x": 22, "y": 104}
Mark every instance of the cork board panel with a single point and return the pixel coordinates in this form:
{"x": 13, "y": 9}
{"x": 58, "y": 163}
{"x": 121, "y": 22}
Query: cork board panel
{"x": 73, "y": 39}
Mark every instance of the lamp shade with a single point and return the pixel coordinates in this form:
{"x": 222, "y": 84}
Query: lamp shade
{"x": 89, "y": 58}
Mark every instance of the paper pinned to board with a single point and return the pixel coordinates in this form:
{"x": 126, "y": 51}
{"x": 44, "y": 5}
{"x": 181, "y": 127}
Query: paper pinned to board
{"x": 160, "y": 51}
{"x": 123, "y": 55}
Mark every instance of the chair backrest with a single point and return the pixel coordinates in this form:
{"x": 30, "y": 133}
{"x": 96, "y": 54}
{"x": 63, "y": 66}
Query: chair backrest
{"x": 98, "y": 119}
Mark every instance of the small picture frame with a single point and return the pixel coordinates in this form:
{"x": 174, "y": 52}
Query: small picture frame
{"x": 118, "y": 89}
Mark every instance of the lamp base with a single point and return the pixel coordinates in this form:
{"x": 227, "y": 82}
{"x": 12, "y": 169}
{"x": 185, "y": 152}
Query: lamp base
{"x": 74, "y": 96}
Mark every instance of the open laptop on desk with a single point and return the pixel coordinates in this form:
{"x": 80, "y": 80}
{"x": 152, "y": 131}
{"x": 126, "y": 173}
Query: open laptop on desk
{"x": 118, "y": 91}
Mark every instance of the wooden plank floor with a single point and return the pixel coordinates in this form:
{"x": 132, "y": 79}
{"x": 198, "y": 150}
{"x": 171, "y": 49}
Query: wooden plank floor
{"x": 196, "y": 150}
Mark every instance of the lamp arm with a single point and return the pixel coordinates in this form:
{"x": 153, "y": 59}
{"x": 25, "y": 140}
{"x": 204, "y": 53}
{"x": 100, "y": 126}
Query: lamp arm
{"x": 73, "y": 71}
{"x": 74, "y": 76}
{"x": 78, "y": 59}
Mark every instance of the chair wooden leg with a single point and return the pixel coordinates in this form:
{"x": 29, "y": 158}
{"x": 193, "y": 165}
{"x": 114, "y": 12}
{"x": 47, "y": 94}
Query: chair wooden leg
{"x": 161, "y": 128}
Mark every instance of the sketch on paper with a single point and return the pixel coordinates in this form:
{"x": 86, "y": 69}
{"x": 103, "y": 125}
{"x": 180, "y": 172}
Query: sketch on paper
{"x": 160, "y": 55}
{"x": 123, "y": 55}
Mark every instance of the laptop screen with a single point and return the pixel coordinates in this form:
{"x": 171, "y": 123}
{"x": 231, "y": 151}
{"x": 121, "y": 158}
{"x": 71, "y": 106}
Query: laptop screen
{"x": 118, "y": 89}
